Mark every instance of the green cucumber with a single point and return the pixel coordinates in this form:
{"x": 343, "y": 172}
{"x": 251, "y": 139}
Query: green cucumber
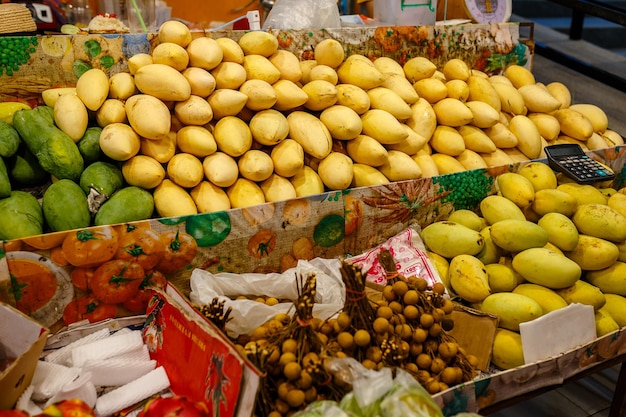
{"x": 89, "y": 145}
{"x": 65, "y": 206}
{"x": 5, "y": 184}
{"x": 103, "y": 177}
{"x": 20, "y": 216}
{"x": 126, "y": 205}
{"x": 9, "y": 140}
{"x": 54, "y": 149}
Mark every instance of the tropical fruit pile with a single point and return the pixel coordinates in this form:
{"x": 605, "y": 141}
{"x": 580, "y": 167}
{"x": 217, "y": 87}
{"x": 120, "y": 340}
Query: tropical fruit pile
{"x": 403, "y": 326}
{"x": 541, "y": 243}
{"x": 203, "y": 124}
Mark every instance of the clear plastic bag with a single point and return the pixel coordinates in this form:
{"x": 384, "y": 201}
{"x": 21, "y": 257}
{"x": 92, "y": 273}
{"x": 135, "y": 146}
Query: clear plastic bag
{"x": 303, "y": 14}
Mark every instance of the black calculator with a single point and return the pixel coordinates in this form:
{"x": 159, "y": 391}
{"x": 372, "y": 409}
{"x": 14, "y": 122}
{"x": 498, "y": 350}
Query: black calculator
{"x": 571, "y": 160}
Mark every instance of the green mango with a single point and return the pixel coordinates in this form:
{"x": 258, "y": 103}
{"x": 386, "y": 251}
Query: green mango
{"x": 65, "y": 206}
{"x": 126, "y": 205}
{"x": 20, "y": 216}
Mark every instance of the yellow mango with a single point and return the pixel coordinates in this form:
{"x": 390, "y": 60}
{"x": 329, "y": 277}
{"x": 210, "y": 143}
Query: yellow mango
{"x": 307, "y": 182}
{"x": 600, "y": 220}
{"x": 584, "y": 293}
{"x": 483, "y": 115}
{"x": 471, "y": 160}
{"x": 562, "y": 232}
{"x": 515, "y": 235}
{"x": 538, "y": 99}
{"x": 335, "y": 171}
{"x": 258, "y": 42}
{"x": 554, "y": 201}
{"x": 49, "y": 97}
{"x": 450, "y": 239}
{"x": 322, "y": 94}
{"x": 360, "y": 71}
{"x": 93, "y": 87}
{"x": 548, "y": 299}
{"x": 255, "y": 165}
{"x": 516, "y": 188}
{"x": 288, "y": 157}
{"x": 387, "y": 99}
{"x": 329, "y": 52}
{"x": 561, "y": 93}
{"x": 269, "y": 127}
{"x": 287, "y": 64}
{"x": 232, "y": 136}
{"x": 342, "y": 122}
{"x": 310, "y": 133}
{"x": 367, "y": 176}
{"x": 615, "y": 305}
{"x": 467, "y": 218}
{"x": 511, "y": 309}
{"x": 441, "y": 265}
{"x": 162, "y": 82}
{"x": 427, "y": 164}
{"x": 539, "y": 174}
{"x": 592, "y": 253}
{"x": 70, "y": 115}
{"x": 231, "y": 51}
{"x": 546, "y": 267}
{"x": 259, "y": 67}
{"x": 143, "y": 171}
{"x": 605, "y": 323}
{"x": 519, "y": 75}
{"x": 490, "y": 253}
{"x": 418, "y": 68}
{"x": 457, "y": 89}
{"x": 172, "y": 200}
{"x": 423, "y": 120}
{"x": 400, "y": 85}
{"x": 495, "y": 208}
{"x": 456, "y": 69}
{"x": 507, "y": 351}
{"x": 389, "y": 66}
{"x": 610, "y": 280}
{"x": 383, "y": 126}
{"x": 204, "y": 52}
{"x": 501, "y": 277}
{"x": 574, "y": 124}
{"x": 480, "y": 89}
{"x": 209, "y": 197}
{"x": 476, "y": 139}
{"x": 354, "y": 97}
{"x": 497, "y": 158}
{"x": 221, "y": 169}
{"x": 227, "y": 102}
{"x": 511, "y": 101}
{"x": 583, "y": 193}
{"x": 431, "y": 89}
{"x": 119, "y": 141}
{"x": 201, "y": 82}
{"x": 364, "y": 149}
{"x": 288, "y": 95}
{"x": 447, "y": 164}
{"x": 400, "y": 167}
{"x": 411, "y": 145}
{"x": 501, "y": 136}
{"x": 447, "y": 140}
{"x": 468, "y": 278}
{"x": 261, "y": 94}
{"x": 452, "y": 112}
{"x": 528, "y": 136}
{"x": 277, "y": 188}
{"x": 245, "y": 193}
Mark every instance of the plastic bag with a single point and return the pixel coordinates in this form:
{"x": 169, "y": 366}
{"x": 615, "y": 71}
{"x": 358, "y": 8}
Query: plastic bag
{"x": 303, "y": 14}
{"x": 249, "y": 314}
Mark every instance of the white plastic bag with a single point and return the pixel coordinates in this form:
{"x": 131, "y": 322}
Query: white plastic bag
{"x": 303, "y": 14}
{"x": 249, "y": 314}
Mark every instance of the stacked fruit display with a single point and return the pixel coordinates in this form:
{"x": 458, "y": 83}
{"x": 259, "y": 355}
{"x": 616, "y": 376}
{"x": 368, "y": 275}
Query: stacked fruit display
{"x": 205, "y": 124}
{"x": 402, "y": 325}
{"x": 541, "y": 243}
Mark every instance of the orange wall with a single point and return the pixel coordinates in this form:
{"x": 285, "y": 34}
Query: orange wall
{"x": 197, "y": 11}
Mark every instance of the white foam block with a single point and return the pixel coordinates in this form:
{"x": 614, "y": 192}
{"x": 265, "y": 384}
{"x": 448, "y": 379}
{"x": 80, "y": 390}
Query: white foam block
{"x": 557, "y": 332}
{"x": 112, "y": 346}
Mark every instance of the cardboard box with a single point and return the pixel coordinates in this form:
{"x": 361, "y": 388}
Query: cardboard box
{"x": 24, "y": 339}
{"x": 201, "y": 363}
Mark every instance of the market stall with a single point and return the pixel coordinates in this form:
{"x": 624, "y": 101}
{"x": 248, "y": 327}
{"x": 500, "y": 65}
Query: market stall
{"x": 271, "y": 236}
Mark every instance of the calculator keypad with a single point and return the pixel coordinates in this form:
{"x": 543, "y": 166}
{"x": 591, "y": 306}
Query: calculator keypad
{"x": 584, "y": 168}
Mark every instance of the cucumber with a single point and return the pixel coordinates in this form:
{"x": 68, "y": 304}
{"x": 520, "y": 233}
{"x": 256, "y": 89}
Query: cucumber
{"x": 127, "y": 205}
{"x": 65, "y": 206}
{"x": 9, "y": 140}
{"x": 24, "y": 169}
{"x": 103, "y": 177}
{"x": 89, "y": 145}
{"x": 5, "y": 184}
{"x": 55, "y": 150}
{"x": 20, "y": 216}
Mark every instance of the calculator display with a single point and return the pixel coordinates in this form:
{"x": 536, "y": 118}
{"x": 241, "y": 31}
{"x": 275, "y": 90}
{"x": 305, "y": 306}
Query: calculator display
{"x": 573, "y": 162}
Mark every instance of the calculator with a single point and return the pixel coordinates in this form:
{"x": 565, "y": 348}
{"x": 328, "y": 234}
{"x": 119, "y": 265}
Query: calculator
{"x": 571, "y": 160}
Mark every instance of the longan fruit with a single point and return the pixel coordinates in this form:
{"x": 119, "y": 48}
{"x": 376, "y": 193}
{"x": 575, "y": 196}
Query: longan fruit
{"x": 472, "y": 359}
{"x": 432, "y": 386}
{"x": 423, "y": 360}
{"x": 274, "y": 414}
{"x": 362, "y": 338}
{"x": 284, "y": 318}
{"x": 411, "y": 297}
{"x": 369, "y": 364}
{"x": 448, "y": 350}
{"x": 283, "y": 389}
{"x": 449, "y": 376}
{"x": 281, "y": 406}
{"x": 400, "y": 287}
{"x": 381, "y": 325}
{"x": 311, "y": 359}
{"x": 416, "y": 349}
{"x": 389, "y": 294}
{"x": 289, "y": 345}
{"x": 292, "y": 370}
{"x": 448, "y": 306}
{"x": 326, "y": 328}
{"x": 412, "y": 368}
{"x": 396, "y": 307}
{"x": 323, "y": 338}
{"x": 427, "y": 320}
{"x": 286, "y": 358}
{"x": 437, "y": 365}
{"x": 419, "y": 335}
{"x": 374, "y": 353}
{"x": 310, "y": 394}
{"x": 260, "y": 332}
{"x": 305, "y": 381}
{"x": 295, "y": 398}
{"x": 420, "y": 283}
{"x": 344, "y": 320}
{"x": 274, "y": 355}
{"x": 435, "y": 330}
{"x": 404, "y": 331}
{"x": 439, "y": 288}
{"x": 411, "y": 312}
{"x": 271, "y": 301}
{"x": 384, "y": 312}
{"x": 345, "y": 340}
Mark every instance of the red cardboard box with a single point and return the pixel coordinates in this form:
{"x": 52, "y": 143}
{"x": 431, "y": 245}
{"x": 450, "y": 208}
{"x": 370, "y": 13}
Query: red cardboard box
{"x": 201, "y": 362}
{"x": 21, "y": 338}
